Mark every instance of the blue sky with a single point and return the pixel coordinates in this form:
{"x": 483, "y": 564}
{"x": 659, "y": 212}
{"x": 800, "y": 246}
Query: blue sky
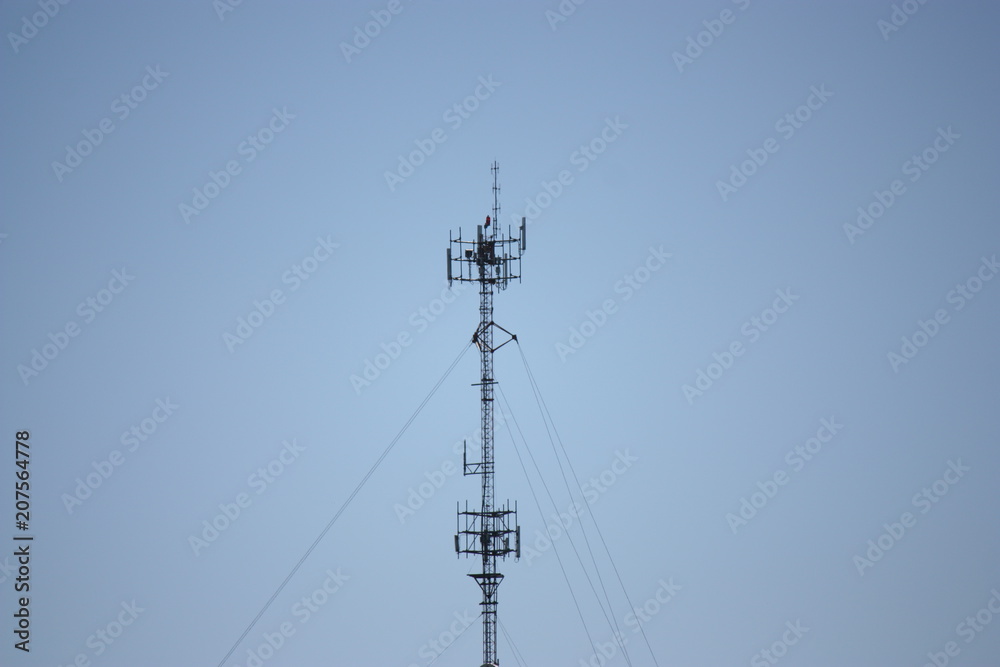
{"x": 758, "y": 298}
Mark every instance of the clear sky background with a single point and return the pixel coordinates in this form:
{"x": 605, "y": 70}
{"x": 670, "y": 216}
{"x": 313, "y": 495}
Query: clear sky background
{"x": 739, "y": 138}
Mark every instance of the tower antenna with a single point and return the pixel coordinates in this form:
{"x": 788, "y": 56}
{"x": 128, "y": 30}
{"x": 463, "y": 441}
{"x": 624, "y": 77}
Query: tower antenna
{"x": 492, "y": 259}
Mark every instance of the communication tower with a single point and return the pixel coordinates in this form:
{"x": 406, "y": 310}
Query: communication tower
{"x": 492, "y": 259}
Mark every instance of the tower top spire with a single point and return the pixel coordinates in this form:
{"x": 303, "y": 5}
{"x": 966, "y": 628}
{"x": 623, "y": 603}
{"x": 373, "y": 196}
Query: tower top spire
{"x": 493, "y": 257}
{"x": 495, "y": 168}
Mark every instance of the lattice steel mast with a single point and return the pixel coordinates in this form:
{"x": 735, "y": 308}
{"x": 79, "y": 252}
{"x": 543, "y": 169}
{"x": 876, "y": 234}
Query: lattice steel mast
{"x": 493, "y": 259}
